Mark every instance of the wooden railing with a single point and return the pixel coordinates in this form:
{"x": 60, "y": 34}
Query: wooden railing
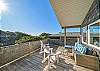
{"x": 13, "y": 52}
{"x": 69, "y": 41}
{"x": 9, "y": 54}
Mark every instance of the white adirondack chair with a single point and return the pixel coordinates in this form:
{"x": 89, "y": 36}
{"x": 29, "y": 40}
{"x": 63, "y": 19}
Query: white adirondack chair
{"x": 42, "y": 47}
{"x": 45, "y": 49}
{"x": 52, "y": 58}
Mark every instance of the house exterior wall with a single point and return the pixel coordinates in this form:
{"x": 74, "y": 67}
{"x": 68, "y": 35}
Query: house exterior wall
{"x": 90, "y": 28}
{"x": 93, "y": 14}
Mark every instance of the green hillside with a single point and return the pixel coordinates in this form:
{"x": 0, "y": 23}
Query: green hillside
{"x": 11, "y": 38}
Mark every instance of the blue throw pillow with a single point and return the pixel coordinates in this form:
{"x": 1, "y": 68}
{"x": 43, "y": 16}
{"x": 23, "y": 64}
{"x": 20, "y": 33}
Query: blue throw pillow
{"x": 76, "y": 46}
{"x": 84, "y": 49}
{"x": 80, "y": 48}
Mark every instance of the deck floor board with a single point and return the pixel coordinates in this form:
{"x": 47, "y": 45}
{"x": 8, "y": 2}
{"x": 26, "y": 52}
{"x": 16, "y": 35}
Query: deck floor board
{"x": 34, "y": 63}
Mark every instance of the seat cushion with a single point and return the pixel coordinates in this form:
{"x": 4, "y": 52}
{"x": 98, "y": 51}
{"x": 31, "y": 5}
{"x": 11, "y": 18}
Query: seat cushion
{"x": 89, "y": 51}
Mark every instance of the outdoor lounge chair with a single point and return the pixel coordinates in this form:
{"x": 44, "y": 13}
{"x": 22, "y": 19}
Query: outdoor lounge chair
{"x": 51, "y": 57}
{"x": 45, "y": 48}
{"x": 83, "y": 57}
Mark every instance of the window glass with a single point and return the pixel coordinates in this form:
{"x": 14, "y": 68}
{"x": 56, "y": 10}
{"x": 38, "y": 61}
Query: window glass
{"x": 84, "y": 33}
{"x": 95, "y": 34}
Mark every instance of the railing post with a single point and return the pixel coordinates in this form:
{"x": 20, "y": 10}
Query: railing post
{"x": 1, "y": 52}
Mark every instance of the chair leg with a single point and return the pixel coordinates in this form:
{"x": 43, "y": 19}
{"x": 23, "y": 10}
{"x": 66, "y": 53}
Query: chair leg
{"x": 75, "y": 58}
{"x": 44, "y": 55}
{"x": 57, "y": 59}
{"x": 49, "y": 62}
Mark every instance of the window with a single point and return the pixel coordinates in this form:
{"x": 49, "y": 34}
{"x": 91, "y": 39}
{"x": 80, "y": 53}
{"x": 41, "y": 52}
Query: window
{"x": 95, "y": 34}
{"x": 84, "y": 33}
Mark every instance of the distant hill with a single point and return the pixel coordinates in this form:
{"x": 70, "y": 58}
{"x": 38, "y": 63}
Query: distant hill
{"x": 11, "y": 38}
{"x": 7, "y": 38}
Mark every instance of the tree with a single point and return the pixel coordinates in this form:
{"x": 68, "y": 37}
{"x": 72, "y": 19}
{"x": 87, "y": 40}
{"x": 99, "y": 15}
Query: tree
{"x": 44, "y": 35}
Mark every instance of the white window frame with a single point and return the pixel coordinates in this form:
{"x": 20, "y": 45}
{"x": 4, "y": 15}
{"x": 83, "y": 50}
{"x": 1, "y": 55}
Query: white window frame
{"x": 88, "y": 37}
{"x": 85, "y": 35}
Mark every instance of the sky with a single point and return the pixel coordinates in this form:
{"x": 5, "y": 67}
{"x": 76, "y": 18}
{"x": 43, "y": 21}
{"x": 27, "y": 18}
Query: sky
{"x": 30, "y": 16}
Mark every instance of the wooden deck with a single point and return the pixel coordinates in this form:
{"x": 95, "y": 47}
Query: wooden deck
{"x": 34, "y": 63}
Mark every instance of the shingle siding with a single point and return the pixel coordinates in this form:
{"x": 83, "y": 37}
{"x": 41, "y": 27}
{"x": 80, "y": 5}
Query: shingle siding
{"x": 93, "y": 14}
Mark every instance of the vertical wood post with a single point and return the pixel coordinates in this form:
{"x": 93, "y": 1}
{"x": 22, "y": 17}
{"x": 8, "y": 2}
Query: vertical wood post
{"x": 60, "y": 35}
{"x": 64, "y": 36}
{"x": 88, "y": 35}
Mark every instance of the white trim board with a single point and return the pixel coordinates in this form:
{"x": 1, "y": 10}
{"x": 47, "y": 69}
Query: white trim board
{"x": 91, "y": 46}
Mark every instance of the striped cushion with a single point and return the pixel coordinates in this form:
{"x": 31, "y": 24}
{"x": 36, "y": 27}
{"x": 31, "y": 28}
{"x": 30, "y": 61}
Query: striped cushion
{"x": 80, "y": 48}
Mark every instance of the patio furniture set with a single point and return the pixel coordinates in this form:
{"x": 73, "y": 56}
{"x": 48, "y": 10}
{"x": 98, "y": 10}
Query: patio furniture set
{"x": 83, "y": 55}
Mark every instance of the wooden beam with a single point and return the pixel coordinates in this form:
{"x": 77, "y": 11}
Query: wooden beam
{"x": 75, "y": 26}
{"x": 65, "y": 36}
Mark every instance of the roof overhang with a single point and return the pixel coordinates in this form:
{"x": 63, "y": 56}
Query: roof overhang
{"x": 71, "y": 13}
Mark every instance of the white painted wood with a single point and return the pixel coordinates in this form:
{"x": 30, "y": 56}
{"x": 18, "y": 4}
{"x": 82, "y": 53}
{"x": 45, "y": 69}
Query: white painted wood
{"x": 92, "y": 46}
{"x": 42, "y": 46}
{"x": 71, "y": 12}
{"x": 88, "y": 35}
{"x": 52, "y": 58}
